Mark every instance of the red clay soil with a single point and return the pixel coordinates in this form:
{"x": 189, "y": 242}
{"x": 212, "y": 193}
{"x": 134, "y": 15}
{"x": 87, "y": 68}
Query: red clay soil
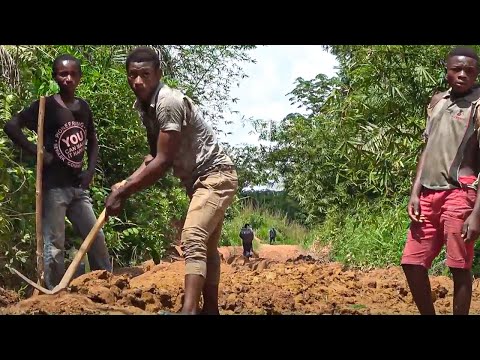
{"x": 283, "y": 280}
{"x": 8, "y": 297}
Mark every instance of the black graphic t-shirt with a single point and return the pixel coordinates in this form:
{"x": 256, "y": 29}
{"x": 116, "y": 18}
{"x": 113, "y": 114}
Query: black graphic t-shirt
{"x": 66, "y": 133}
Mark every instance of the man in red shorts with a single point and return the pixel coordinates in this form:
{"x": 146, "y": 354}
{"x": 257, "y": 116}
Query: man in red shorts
{"x": 443, "y": 204}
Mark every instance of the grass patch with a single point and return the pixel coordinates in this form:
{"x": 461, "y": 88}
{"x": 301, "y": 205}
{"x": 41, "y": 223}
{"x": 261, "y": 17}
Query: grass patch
{"x": 370, "y": 234}
{"x": 261, "y": 220}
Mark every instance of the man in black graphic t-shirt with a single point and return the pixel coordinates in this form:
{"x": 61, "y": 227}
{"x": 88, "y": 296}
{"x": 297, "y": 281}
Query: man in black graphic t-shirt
{"x": 68, "y": 131}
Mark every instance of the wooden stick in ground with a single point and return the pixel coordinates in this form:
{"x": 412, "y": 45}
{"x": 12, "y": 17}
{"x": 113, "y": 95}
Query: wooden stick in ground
{"x": 39, "y": 193}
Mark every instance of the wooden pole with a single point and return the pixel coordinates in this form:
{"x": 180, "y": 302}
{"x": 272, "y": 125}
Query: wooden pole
{"x": 39, "y": 192}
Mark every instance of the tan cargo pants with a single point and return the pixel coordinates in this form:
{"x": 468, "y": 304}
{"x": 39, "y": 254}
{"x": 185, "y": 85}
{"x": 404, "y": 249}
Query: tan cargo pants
{"x": 210, "y": 196}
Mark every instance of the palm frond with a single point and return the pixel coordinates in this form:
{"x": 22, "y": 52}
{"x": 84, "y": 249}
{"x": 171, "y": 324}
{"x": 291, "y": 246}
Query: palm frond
{"x": 8, "y": 66}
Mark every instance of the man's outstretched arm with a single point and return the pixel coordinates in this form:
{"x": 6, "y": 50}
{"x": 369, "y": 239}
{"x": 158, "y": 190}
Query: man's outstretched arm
{"x": 167, "y": 146}
{"x": 142, "y": 166}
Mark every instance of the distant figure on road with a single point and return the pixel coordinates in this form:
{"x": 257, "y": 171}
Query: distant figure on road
{"x": 247, "y": 235}
{"x": 272, "y": 233}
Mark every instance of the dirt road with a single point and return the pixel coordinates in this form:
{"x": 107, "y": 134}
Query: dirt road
{"x": 282, "y": 281}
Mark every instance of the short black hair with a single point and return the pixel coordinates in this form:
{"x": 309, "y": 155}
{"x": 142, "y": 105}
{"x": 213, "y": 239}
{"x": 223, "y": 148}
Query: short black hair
{"x": 247, "y": 225}
{"x": 143, "y": 54}
{"x": 64, "y": 57}
{"x": 463, "y": 51}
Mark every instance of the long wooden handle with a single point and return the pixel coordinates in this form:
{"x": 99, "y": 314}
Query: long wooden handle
{"x": 37, "y": 287}
{"x": 38, "y": 191}
{"x": 87, "y": 243}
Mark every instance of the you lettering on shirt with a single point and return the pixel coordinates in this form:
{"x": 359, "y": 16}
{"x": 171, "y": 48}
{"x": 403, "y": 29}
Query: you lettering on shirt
{"x": 70, "y": 142}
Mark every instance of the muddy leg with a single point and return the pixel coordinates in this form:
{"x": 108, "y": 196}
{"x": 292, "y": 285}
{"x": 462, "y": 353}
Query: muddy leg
{"x": 462, "y": 291}
{"x": 417, "y": 278}
{"x": 210, "y": 289}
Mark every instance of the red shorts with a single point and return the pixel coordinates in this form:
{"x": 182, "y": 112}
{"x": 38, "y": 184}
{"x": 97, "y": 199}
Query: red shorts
{"x": 445, "y": 212}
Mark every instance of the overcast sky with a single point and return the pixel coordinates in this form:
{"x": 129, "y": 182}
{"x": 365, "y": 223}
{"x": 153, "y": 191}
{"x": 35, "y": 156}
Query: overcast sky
{"x": 263, "y": 95}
